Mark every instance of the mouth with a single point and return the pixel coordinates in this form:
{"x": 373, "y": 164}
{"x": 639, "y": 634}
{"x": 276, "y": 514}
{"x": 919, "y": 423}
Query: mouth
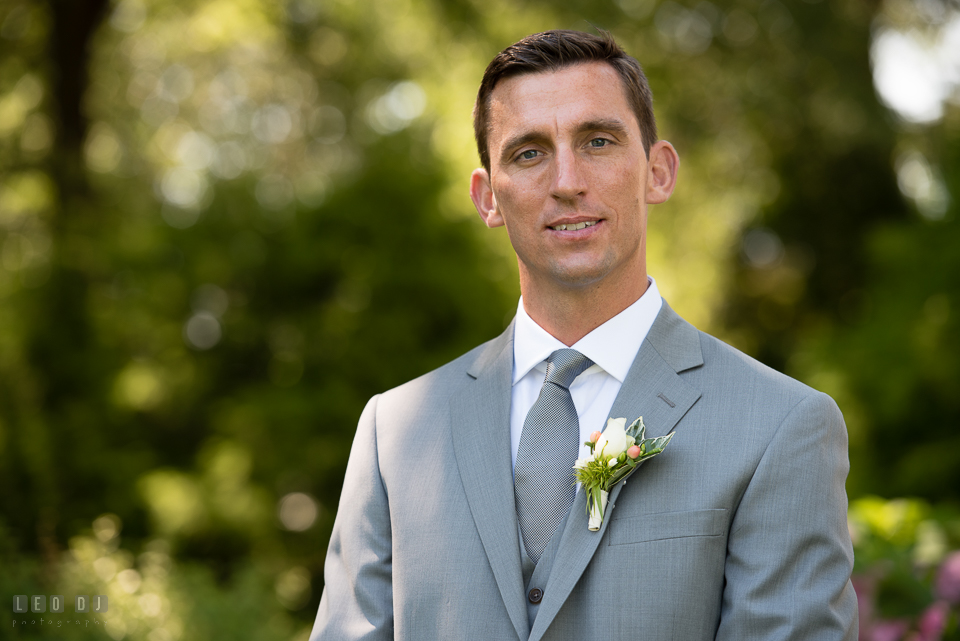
{"x": 574, "y": 226}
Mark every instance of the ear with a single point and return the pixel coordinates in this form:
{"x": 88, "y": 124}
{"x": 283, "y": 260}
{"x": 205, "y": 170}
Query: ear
{"x": 662, "y": 171}
{"x": 481, "y": 193}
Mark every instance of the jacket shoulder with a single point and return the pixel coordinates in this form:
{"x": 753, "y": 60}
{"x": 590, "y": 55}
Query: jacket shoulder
{"x": 741, "y": 376}
{"x": 449, "y": 376}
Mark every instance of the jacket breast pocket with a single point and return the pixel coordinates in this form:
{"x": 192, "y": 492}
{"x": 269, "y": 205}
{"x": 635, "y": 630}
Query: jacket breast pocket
{"x": 667, "y": 525}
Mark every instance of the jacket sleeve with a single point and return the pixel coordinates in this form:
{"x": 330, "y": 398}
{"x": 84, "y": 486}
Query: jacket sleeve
{"x": 357, "y": 601}
{"x": 789, "y": 555}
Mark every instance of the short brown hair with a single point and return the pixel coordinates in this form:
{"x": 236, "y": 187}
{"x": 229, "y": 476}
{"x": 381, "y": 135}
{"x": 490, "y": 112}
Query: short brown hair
{"x": 555, "y": 50}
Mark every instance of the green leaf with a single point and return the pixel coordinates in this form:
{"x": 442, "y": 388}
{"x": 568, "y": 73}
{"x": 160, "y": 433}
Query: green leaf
{"x": 637, "y": 430}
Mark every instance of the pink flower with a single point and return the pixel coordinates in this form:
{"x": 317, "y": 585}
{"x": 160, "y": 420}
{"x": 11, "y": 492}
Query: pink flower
{"x": 933, "y": 621}
{"x": 594, "y": 435}
{"x": 633, "y": 451}
{"x": 888, "y": 631}
{"x": 948, "y": 579}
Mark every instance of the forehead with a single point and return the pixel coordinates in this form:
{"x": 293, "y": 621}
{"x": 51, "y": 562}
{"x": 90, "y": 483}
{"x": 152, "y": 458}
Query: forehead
{"x": 589, "y": 91}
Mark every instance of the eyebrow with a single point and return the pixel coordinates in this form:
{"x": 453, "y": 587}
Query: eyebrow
{"x": 519, "y": 141}
{"x": 612, "y": 125}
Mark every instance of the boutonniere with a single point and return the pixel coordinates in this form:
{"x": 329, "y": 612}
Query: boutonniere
{"x": 614, "y": 455}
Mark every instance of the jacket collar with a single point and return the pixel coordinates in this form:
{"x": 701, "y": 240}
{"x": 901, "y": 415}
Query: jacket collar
{"x": 480, "y": 426}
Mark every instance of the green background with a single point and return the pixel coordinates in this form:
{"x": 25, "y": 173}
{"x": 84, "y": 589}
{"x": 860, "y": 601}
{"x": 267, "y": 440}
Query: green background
{"x": 225, "y": 224}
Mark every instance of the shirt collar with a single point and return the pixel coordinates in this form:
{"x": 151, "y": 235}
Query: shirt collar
{"x": 612, "y": 346}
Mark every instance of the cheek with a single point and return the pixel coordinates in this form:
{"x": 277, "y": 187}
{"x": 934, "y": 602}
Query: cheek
{"x": 630, "y": 191}
{"x": 516, "y": 200}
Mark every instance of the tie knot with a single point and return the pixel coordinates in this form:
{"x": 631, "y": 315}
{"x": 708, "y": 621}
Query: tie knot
{"x": 564, "y": 365}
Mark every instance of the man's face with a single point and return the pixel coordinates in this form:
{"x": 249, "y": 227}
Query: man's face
{"x": 569, "y": 177}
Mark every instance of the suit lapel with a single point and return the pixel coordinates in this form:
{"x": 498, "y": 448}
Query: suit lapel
{"x": 653, "y": 389}
{"x": 481, "y": 443}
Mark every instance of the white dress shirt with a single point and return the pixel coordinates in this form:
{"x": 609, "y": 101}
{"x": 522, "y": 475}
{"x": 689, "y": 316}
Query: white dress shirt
{"x": 612, "y": 347}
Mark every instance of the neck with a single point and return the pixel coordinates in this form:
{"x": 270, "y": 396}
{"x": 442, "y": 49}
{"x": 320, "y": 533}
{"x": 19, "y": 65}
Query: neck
{"x": 569, "y": 314}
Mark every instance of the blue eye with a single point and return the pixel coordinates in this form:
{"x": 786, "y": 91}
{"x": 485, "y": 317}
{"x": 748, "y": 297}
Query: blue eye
{"x": 599, "y": 142}
{"x": 529, "y": 154}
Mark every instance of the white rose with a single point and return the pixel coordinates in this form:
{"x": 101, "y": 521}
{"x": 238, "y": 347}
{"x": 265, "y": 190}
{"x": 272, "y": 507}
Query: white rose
{"x": 613, "y": 441}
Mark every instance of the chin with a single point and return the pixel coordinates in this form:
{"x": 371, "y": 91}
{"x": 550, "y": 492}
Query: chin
{"x": 580, "y": 277}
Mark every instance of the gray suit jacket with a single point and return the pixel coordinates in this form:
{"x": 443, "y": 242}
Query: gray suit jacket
{"x": 737, "y": 531}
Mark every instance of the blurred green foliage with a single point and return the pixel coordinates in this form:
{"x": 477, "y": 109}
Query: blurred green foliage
{"x": 224, "y": 225}
{"x": 906, "y": 577}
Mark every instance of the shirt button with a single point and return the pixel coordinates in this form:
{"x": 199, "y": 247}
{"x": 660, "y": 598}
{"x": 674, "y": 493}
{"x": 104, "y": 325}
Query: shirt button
{"x": 536, "y": 595}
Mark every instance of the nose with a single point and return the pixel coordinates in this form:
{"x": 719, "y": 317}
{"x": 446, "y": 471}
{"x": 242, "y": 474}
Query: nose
{"x": 568, "y": 179}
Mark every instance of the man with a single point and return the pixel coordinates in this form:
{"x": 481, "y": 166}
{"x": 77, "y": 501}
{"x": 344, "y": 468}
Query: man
{"x": 452, "y": 524}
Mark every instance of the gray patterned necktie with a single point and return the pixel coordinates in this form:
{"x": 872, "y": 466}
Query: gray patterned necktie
{"x": 549, "y": 444}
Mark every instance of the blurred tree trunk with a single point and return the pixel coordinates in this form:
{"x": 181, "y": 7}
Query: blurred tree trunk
{"x": 73, "y": 23}
{"x": 59, "y": 344}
